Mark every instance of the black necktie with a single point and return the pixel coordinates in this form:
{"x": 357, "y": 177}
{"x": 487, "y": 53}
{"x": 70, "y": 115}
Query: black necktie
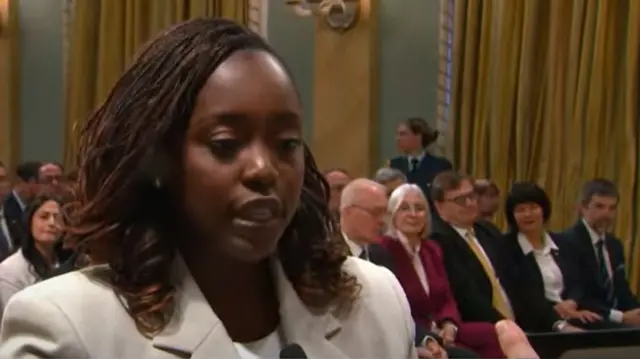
{"x": 364, "y": 255}
{"x": 604, "y": 272}
{"x": 414, "y": 164}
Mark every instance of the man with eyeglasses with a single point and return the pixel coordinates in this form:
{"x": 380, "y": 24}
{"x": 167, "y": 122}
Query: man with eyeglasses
{"x": 485, "y": 280}
{"x": 363, "y": 206}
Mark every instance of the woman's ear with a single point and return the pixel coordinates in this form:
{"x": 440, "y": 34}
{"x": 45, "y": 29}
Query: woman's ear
{"x": 155, "y": 169}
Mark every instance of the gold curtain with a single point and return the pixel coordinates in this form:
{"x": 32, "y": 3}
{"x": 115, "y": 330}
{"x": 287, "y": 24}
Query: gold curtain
{"x": 104, "y": 38}
{"x": 547, "y": 90}
{"x": 10, "y": 135}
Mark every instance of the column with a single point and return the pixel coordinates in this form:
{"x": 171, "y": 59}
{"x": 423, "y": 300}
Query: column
{"x": 346, "y": 77}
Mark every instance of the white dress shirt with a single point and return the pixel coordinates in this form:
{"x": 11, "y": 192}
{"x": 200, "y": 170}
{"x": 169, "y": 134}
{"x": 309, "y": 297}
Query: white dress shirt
{"x": 410, "y": 158}
{"x": 614, "y": 315}
{"x": 551, "y": 274}
{"x": 463, "y": 233}
{"x": 355, "y": 248}
{"x": 416, "y": 261}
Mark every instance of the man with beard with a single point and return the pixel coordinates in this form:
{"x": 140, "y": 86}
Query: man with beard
{"x": 600, "y": 255}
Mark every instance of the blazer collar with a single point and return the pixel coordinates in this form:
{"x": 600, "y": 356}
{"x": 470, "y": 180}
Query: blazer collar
{"x": 549, "y": 245}
{"x": 585, "y": 234}
{"x": 196, "y": 331}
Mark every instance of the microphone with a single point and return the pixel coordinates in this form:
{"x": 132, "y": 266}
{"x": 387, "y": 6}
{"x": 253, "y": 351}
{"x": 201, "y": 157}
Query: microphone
{"x": 293, "y": 351}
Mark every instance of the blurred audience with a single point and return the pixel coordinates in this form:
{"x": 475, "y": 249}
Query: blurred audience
{"x": 24, "y": 189}
{"x": 50, "y": 173}
{"x": 364, "y": 206}
{"x": 545, "y": 263}
{"x": 6, "y": 243}
{"x": 337, "y": 179}
{"x": 488, "y": 198}
{"x": 5, "y": 182}
{"x": 390, "y": 178}
{"x": 486, "y": 282}
{"x": 418, "y": 264}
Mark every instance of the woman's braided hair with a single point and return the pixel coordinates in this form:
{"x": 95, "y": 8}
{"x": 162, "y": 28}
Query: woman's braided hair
{"x": 119, "y": 217}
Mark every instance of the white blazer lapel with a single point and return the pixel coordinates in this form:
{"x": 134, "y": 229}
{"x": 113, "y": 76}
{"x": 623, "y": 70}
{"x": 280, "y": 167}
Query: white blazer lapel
{"x": 194, "y": 330}
{"x": 312, "y": 331}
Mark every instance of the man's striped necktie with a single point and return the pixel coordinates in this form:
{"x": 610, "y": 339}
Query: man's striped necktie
{"x": 604, "y": 271}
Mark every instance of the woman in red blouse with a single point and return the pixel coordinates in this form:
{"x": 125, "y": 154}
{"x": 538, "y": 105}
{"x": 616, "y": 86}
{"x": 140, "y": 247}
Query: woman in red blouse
{"x": 418, "y": 264}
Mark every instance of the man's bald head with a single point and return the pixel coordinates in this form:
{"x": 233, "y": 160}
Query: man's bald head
{"x": 360, "y": 190}
{"x": 363, "y": 207}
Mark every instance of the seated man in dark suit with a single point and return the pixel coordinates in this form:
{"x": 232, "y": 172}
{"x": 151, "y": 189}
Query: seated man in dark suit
{"x": 599, "y": 255}
{"x": 485, "y": 282}
{"x": 15, "y": 202}
{"x": 363, "y": 207}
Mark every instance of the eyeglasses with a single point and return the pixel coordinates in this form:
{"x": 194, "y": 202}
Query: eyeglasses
{"x": 464, "y": 199}
{"x": 373, "y": 212}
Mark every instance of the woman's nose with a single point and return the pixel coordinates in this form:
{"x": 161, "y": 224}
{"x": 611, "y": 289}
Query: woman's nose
{"x": 260, "y": 171}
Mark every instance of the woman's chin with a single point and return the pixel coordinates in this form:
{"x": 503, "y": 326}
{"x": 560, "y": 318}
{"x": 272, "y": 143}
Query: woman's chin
{"x": 412, "y": 231}
{"x": 47, "y": 240}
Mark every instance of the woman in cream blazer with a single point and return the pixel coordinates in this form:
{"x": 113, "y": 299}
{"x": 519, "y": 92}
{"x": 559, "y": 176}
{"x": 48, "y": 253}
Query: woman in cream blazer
{"x": 196, "y": 190}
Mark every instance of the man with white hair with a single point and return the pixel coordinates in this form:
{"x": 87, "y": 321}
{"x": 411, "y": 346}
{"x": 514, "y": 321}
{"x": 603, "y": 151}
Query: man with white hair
{"x": 363, "y": 206}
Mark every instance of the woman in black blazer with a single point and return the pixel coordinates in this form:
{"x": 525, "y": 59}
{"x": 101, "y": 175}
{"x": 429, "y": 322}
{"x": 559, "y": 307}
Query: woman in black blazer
{"x": 539, "y": 255}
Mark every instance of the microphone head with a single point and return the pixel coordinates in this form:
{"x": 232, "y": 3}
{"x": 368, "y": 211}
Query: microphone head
{"x": 293, "y": 351}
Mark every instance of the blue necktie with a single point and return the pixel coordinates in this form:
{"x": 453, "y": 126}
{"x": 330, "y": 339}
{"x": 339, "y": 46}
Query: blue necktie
{"x": 604, "y": 272}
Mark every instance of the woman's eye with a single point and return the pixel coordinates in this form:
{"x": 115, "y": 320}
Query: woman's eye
{"x": 225, "y": 147}
{"x": 290, "y": 144}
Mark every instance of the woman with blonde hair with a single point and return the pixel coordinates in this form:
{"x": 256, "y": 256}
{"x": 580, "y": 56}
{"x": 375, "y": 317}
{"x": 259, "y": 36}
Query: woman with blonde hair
{"x": 420, "y": 269}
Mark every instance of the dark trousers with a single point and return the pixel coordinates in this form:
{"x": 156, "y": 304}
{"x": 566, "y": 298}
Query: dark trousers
{"x": 460, "y": 353}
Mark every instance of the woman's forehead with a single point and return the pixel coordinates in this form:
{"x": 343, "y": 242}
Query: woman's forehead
{"x": 248, "y": 80}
